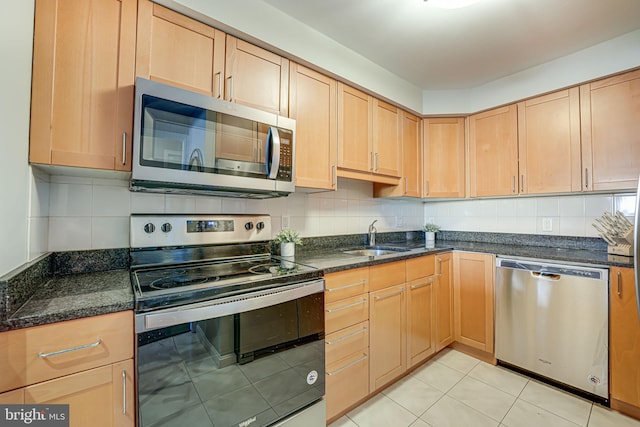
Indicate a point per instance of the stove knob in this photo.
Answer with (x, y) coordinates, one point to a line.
(149, 228)
(260, 225)
(166, 227)
(248, 226)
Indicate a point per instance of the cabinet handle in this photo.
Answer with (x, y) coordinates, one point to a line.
(406, 185)
(619, 284)
(426, 187)
(350, 285)
(219, 74)
(124, 392)
(344, 307)
(440, 264)
(522, 183)
(586, 178)
(230, 80)
(124, 148)
(422, 285)
(67, 350)
(378, 297)
(352, 334)
(372, 161)
(348, 365)
(513, 184)
(335, 176)
(377, 162)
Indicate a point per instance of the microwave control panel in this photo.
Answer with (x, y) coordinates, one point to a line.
(286, 160)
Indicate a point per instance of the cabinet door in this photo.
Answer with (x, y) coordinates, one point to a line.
(387, 336)
(624, 338)
(443, 161)
(387, 142)
(473, 299)
(420, 340)
(82, 87)
(256, 77)
(610, 120)
(443, 301)
(347, 382)
(175, 49)
(355, 110)
(312, 103)
(549, 143)
(98, 397)
(493, 152)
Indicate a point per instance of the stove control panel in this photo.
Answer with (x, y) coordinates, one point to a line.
(147, 231)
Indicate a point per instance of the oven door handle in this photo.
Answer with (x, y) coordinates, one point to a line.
(226, 306)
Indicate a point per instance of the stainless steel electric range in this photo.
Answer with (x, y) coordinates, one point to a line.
(227, 334)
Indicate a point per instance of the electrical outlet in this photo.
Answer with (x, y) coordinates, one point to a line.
(547, 224)
(285, 221)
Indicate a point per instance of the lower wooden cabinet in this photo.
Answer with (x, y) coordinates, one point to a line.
(624, 351)
(13, 397)
(443, 293)
(98, 397)
(473, 295)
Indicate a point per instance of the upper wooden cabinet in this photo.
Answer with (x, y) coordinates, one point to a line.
(473, 294)
(610, 121)
(387, 139)
(312, 103)
(493, 152)
(624, 340)
(175, 49)
(443, 158)
(549, 143)
(256, 77)
(411, 181)
(355, 129)
(83, 83)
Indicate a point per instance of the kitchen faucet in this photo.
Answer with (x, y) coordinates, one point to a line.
(372, 233)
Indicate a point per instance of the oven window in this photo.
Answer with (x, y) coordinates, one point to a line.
(263, 364)
(179, 136)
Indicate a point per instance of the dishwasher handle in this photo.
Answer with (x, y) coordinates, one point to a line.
(546, 276)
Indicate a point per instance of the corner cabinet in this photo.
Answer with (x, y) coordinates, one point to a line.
(610, 120)
(312, 103)
(473, 299)
(493, 152)
(83, 83)
(178, 50)
(444, 157)
(86, 363)
(624, 351)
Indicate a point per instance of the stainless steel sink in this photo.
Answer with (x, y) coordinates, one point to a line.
(375, 251)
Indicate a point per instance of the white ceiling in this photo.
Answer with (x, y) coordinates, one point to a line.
(463, 48)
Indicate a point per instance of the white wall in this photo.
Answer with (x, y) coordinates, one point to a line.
(16, 38)
(90, 213)
(618, 54)
(570, 215)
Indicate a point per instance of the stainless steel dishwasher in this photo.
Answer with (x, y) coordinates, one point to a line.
(552, 322)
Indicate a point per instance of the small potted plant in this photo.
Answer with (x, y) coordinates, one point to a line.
(288, 240)
(430, 231)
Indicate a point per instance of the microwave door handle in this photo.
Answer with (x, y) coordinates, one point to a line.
(273, 148)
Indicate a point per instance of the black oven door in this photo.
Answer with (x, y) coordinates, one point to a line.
(252, 367)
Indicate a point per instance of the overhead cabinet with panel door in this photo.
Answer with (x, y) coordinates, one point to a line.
(444, 157)
(83, 83)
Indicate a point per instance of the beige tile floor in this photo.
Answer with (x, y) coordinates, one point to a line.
(456, 390)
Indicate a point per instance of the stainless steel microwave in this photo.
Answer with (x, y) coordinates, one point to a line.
(186, 142)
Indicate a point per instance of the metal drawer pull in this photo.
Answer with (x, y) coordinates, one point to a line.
(423, 284)
(124, 148)
(344, 307)
(219, 74)
(546, 276)
(377, 297)
(67, 350)
(352, 334)
(124, 391)
(348, 365)
(619, 283)
(350, 285)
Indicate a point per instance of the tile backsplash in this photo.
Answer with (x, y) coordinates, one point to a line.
(78, 213)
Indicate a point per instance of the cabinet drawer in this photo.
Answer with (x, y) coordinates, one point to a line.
(347, 382)
(346, 284)
(347, 312)
(385, 275)
(346, 341)
(420, 267)
(44, 352)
